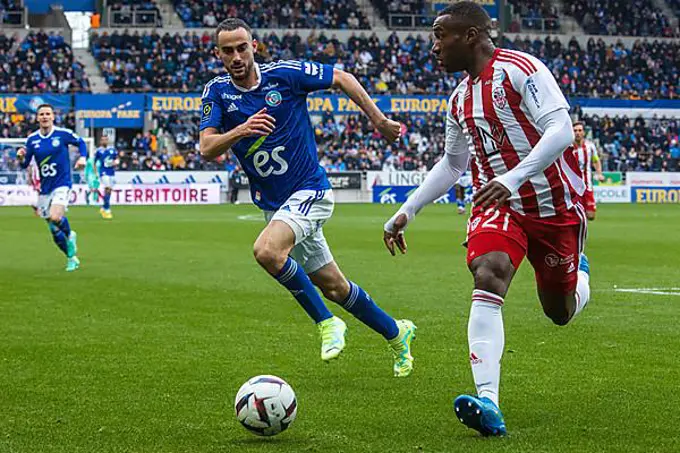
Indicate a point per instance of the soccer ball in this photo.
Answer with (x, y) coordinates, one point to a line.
(265, 405)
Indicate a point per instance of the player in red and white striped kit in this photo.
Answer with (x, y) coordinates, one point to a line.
(586, 155)
(510, 120)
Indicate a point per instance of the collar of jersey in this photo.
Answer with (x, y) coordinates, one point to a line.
(48, 135)
(254, 87)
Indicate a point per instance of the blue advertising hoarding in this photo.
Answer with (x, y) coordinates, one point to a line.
(655, 194)
(316, 103)
(28, 103)
(111, 110)
(399, 194)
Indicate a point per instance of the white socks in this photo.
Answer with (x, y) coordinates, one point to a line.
(486, 339)
(582, 292)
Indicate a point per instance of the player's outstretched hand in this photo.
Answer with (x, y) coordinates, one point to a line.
(391, 130)
(395, 236)
(259, 124)
(492, 194)
(80, 163)
(21, 154)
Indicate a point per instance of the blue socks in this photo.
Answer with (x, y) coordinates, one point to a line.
(360, 304)
(461, 203)
(295, 280)
(107, 201)
(63, 226)
(59, 237)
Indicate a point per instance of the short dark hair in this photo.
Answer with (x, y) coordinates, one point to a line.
(473, 13)
(41, 106)
(578, 123)
(231, 24)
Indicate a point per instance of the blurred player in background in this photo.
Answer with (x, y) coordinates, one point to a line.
(106, 161)
(33, 178)
(92, 180)
(460, 198)
(49, 148)
(260, 113)
(510, 115)
(586, 154)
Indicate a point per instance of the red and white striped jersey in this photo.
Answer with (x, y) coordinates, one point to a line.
(586, 155)
(498, 113)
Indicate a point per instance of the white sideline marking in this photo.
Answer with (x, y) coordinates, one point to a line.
(251, 217)
(655, 291)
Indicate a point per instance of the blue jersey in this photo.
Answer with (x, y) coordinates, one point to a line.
(279, 164)
(52, 156)
(104, 159)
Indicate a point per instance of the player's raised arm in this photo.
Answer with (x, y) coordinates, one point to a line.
(76, 140)
(352, 88)
(438, 182)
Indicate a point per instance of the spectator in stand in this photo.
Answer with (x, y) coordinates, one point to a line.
(338, 14)
(616, 17)
(41, 63)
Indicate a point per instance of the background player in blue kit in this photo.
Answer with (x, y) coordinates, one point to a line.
(106, 161)
(260, 113)
(49, 147)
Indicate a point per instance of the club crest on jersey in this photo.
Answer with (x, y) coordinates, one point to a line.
(55, 142)
(499, 98)
(273, 98)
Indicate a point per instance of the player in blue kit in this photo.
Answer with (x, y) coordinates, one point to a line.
(106, 161)
(260, 113)
(49, 147)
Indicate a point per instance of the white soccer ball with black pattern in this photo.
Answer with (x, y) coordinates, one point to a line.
(266, 405)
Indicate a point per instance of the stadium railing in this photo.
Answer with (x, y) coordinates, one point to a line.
(133, 18)
(14, 18)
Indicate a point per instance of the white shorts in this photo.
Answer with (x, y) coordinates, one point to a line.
(59, 196)
(108, 181)
(305, 212)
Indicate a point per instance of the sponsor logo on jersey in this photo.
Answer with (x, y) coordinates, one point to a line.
(552, 260)
(232, 97)
(273, 98)
(207, 111)
(232, 108)
(270, 86)
(533, 90)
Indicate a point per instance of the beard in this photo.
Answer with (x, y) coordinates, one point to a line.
(242, 72)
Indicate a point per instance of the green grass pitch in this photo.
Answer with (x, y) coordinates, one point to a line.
(143, 349)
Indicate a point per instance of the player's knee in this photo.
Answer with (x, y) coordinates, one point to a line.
(559, 310)
(268, 258)
(492, 275)
(55, 217)
(559, 317)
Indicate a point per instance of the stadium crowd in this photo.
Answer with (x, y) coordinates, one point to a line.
(534, 15)
(151, 61)
(617, 17)
(40, 63)
(647, 70)
(338, 14)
